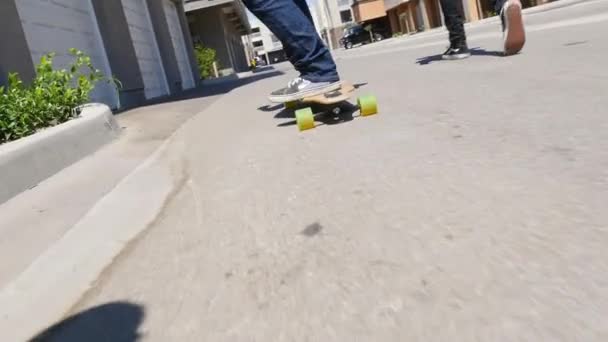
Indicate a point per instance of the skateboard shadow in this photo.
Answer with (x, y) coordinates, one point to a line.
(271, 108)
(477, 51)
(324, 114)
(115, 321)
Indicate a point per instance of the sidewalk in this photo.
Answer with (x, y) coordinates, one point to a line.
(38, 220)
(471, 208)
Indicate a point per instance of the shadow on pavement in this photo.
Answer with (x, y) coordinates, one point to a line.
(216, 87)
(113, 322)
(474, 52)
(271, 108)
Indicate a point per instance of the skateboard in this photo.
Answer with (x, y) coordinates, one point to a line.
(305, 118)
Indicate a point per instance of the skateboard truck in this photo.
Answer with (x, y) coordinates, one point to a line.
(305, 118)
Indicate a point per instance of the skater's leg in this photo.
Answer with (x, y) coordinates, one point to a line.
(454, 22)
(497, 5)
(291, 22)
(296, 31)
(304, 8)
(512, 25)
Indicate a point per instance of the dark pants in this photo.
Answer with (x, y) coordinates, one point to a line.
(291, 22)
(454, 18)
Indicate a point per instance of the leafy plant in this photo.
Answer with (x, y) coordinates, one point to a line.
(53, 97)
(205, 58)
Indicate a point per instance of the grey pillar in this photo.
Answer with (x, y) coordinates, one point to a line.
(188, 41)
(117, 40)
(465, 9)
(440, 13)
(227, 42)
(165, 45)
(15, 54)
(424, 14)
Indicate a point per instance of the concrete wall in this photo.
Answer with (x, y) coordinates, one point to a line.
(390, 4)
(235, 46)
(120, 51)
(206, 27)
(213, 30)
(14, 52)
(434, 13)
(32, 28)
(367, 10)
(188, 40)
(470, 10)
(167, 50)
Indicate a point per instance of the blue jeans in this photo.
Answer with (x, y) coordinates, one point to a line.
(454, 19)
(291, 22)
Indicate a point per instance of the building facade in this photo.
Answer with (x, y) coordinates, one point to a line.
(373, 13)
(331, 18)
(265, 44)
(145, 44)
(411, 16)
(220, 25)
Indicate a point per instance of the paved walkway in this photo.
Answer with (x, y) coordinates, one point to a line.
(472, 208)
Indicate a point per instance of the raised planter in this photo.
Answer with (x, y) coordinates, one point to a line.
(26, 162)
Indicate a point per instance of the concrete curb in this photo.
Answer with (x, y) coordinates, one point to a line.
(30, 160)
(57, 279)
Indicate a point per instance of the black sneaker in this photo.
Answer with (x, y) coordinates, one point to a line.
(299, 88)
(456, 51)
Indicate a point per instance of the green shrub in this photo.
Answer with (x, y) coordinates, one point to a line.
(53, 97)
(205, 57)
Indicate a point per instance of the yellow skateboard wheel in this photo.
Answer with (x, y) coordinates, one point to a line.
(305, 119)
(367, 105)
(291, 104)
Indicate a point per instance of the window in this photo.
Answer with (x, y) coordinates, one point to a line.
(258, 43)
(255, 32)
(346, 16)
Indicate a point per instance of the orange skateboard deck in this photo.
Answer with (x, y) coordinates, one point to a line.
(335, 96)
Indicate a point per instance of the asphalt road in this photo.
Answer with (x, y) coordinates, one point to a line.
(473, 207)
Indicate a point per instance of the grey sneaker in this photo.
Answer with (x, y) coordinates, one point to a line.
(299, 88)
(512, 27)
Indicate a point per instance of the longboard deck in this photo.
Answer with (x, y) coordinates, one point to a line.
(335, 96)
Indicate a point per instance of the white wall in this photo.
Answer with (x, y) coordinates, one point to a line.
(265, 34)
(58, 25)
(146, 48)
(179, 44)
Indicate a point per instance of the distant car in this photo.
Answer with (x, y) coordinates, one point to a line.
(358, 35)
